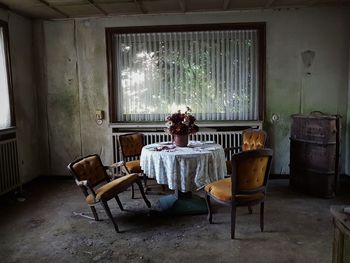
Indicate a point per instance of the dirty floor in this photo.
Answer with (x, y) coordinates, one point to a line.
(44, 225)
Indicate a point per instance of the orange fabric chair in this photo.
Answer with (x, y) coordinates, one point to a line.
(130, 148)
(246, 187)
(91, 176)
(252, 139)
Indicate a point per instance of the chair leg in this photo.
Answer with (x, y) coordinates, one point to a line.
(250, 209)
(93, 209)
(109, 214)
(132, 191)
(262, 216)
(148, 203)
(233, 220)
(144, 177)
(210, 211)
(119, 203)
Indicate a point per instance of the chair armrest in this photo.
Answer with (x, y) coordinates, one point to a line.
(85, 185)
(121, 172)
(82, 183)
(114, 165)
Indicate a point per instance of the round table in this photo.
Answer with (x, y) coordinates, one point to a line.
(184, 168)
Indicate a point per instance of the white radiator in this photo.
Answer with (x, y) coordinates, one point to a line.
(9, 173)
(225, 138)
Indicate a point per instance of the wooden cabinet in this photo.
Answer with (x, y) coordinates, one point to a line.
(314, 154)
(341, 240)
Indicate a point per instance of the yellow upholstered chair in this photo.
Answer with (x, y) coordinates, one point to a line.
(91, 176)
(130, 148)
(245, 187)
(252, 139)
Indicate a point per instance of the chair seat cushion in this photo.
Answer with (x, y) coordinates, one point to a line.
(133, 166)
(221, 190)
(110, 189)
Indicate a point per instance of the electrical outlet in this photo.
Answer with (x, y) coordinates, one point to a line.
(99, 115)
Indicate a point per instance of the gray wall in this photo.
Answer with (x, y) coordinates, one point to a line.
(73, 75)
(29, 140)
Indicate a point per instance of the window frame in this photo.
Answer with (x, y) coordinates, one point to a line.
(4, 26)
(112, 66)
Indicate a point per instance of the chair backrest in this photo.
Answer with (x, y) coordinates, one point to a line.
(253, 139)
(251, 170)
(89, 168)
(131, 144)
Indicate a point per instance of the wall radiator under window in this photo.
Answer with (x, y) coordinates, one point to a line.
(9, 172)
(225, 138)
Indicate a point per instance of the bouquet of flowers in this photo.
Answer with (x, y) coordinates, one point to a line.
(181, 123)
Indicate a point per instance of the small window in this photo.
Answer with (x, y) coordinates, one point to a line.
(217, 70)
(6, 112)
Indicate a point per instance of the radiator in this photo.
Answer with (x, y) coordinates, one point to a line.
(9, 173)
(225, 138)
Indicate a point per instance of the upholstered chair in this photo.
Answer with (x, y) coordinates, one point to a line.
(246, 186)
(252, 139)
(130, 146)
(91, 176)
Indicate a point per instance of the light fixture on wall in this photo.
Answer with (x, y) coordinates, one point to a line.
(99, 117)
(307, 57)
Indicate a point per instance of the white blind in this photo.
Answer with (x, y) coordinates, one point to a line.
(213, 72)
(5, 113)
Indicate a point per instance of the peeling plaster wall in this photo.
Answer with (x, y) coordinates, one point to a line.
(76, 71)
(347, 124)
(25, 96)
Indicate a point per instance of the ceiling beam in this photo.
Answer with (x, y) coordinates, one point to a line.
(53, 8)
(313, 2)
(269, 3)
(183, 6)
(140, 6)
(92, 2)
(226, 4)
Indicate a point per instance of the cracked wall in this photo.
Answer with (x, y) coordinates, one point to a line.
(76, 74)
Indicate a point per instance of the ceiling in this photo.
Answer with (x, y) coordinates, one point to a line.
(57, 9)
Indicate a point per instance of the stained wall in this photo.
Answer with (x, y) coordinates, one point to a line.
(31, 148)
(73, 75)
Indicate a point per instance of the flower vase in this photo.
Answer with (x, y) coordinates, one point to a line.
(180, 140)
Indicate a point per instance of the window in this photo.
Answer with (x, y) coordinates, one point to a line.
(6, 113)
(217, 70)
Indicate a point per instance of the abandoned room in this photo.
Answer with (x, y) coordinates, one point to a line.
(175, 130)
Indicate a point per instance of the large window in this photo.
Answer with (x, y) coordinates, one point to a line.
(217, 70)
(6, 113)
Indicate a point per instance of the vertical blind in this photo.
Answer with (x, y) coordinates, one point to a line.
(213, 72)
(5, 112)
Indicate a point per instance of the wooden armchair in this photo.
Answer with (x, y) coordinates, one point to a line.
(246, 186)
(91, 176)
(252, 139)
(131, 147)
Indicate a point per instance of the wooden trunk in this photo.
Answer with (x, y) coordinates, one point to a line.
(314, 154)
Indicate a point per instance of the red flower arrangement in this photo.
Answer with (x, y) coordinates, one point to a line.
(181, 123)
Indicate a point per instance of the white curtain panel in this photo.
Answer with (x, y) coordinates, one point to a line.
(5, 114)
(213, 72)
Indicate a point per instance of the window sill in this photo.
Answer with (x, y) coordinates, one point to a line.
(8, 130)
(155, 125)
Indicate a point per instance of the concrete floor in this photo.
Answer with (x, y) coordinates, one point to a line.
(44, 228)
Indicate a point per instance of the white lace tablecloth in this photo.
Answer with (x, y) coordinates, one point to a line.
(184, 168)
